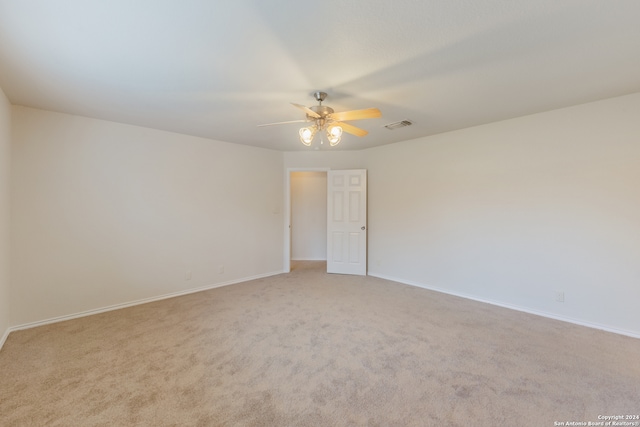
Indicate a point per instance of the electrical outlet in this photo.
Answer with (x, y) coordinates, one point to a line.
(187, 275)
(221, 269)
(559, 296)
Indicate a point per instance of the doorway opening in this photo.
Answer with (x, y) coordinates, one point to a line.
(306, 226)
(309, 216)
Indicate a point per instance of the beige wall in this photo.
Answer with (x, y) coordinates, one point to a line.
(509, 212)
(514, 211)
(323, 159)
(5, 168)
(106, 213)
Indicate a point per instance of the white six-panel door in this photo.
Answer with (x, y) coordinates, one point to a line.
(347, 222)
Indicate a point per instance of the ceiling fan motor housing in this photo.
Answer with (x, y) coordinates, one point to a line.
(321, 110)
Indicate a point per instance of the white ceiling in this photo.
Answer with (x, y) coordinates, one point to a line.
(217, 69)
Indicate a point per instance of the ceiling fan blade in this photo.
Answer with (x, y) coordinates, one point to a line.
(283, 123)
(307, 110)
(367, 113)
(346, 127)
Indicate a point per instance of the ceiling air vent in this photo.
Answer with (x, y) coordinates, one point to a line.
(400, 124)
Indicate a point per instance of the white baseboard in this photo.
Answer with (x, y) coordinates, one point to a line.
(246, 279)
(130, 304)
(633, 334)
(4, 337)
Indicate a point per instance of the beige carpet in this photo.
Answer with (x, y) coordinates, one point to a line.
(311, 349)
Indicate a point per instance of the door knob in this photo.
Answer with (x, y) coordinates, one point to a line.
(362, 228)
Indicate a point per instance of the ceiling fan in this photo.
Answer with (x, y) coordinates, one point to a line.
(324, 118)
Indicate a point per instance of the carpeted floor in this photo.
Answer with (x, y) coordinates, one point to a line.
(312, 349)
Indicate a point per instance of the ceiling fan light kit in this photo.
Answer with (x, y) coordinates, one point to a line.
(325, 119)
(307, 134)
(334, 134)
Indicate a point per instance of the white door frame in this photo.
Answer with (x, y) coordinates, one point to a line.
(287, 213)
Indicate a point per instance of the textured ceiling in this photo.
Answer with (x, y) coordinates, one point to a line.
(217, 69)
